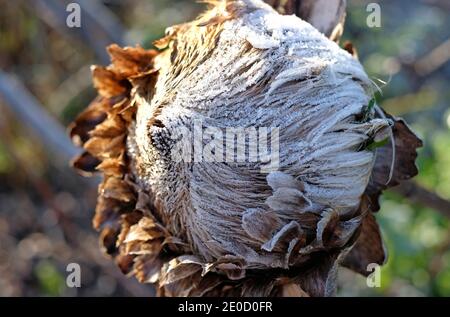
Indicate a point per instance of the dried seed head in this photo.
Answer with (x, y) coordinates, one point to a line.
(183, 209)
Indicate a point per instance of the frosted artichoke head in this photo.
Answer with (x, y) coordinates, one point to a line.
(245, 153)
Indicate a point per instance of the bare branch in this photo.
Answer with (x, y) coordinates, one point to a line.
(32, 115)
(433, 60)
(417, 194)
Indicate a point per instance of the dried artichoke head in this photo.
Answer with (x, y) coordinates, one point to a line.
(211, 221)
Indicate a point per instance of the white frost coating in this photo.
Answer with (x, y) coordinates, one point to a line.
(290, 77)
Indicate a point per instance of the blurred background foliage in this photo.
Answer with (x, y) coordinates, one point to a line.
(45, 209)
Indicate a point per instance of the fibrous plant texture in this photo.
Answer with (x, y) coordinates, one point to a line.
(211, 225)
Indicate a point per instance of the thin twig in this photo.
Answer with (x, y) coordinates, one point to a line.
(433, 60)
(417, 194)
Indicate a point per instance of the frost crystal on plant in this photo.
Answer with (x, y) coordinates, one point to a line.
(198, 227)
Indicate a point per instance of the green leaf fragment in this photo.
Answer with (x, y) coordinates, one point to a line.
(377, 144)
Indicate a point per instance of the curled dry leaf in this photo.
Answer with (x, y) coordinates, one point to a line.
(369, 247)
